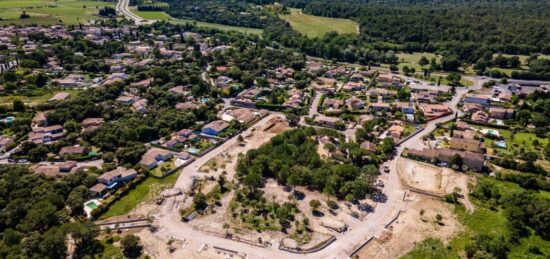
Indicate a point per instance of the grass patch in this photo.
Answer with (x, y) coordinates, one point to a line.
(317, 26)
(411, 60)
(139, 194)
(35, 99)
(220, 27)
(164, 167)
(517, 144)
(44, 12)
(152, 15)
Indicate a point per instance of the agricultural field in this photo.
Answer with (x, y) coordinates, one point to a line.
(221, 27)
(45, 12)
(317, 26)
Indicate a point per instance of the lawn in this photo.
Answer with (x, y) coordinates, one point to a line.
(482, 221)
(152, 15)
(520, 143)
(139, 194)
(164, 167)
(220, 27)
(45, 12)
(317, 26)
(411, 59)
(35, 100)
(435, 77)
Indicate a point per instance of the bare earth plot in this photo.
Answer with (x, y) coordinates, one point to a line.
(317, 26)
(414, 225)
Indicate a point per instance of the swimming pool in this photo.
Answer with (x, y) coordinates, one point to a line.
(92, 205)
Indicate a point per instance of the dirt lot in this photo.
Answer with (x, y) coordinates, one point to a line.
(415, 224)
(430, 178)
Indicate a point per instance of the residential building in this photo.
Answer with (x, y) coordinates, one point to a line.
(214, 128)
(154, 156)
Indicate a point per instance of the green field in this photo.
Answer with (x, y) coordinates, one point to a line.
(482, 221)
(517, 144)
(411, 59)
(152, 15)
(44, 12)
(139, 194)
(34, 100)
(220, 27)
(317, 26)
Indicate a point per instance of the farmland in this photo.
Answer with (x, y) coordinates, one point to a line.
(44, 12)
(317, 26)
(152, 15)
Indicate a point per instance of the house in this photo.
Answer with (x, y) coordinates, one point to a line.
(368, 146)
(483, 100)
(140, 105)
(480, 116)
(354, 103)
(127, 99)
(154, 156)
(462, 125)
(470, 160)
(406, 108)
(67, 166)
(331, 103)
(41, 135)
(323, 84)
(223, 81)
(59, 97)
(39, 120)
(70, 80)
(49, 170)
(186, 106)
(327, 121)
(353, 86)
(91, 122)
(314, 67)
(466, 144)
(178, 90)
(433, 111)
(214, 128)
(99, 190)
(116, 176)
(67, 151)
(505, 97)
(357, 77)
(380, 106)
(5, 142)
(143, 83)
(395, 131)
(473, 107)
(242, 115)
(500, 113)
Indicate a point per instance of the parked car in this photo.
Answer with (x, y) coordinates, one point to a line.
(386, 169)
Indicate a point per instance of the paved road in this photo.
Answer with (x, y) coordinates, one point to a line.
(122, 7)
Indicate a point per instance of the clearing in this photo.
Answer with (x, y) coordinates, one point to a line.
(43, 12)
(220, 27)
(415, 224)
(317, 26)
(144, 191)
(432, 179)
(152, 15)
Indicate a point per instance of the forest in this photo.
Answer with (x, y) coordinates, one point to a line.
(37, 212)
(462, 30)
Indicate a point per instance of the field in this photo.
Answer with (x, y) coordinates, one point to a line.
(34, 100)
(139, 194)
(152, 15)
(411, 59)
(45, 12)
(220, 26)
(518, 143)
(317, 26)
(482, 221)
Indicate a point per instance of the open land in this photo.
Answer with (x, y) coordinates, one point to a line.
(317, 26)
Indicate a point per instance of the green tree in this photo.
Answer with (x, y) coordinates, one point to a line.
(131, 246)
(199, 201)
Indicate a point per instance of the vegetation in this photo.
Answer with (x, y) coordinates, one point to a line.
(317, 26)
(292, 159)
(37, 225)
